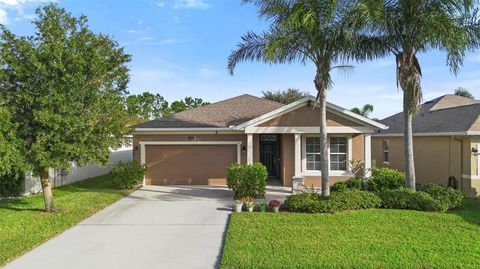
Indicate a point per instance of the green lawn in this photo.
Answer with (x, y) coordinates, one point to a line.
(24, 224)
(362, 239)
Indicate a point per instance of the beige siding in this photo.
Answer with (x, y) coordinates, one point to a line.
(287, 159)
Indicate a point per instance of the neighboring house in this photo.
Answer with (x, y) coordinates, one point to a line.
(446, 141)
(76, 173)
(195, 146)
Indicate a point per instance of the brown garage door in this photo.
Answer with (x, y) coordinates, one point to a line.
(188, 164)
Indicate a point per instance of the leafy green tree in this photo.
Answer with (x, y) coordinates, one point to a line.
(365, 111)
(146, 106)
(464, 93)
(64, 88)
(305, 31)
(185, 104)
(408, 27)
(285, 97)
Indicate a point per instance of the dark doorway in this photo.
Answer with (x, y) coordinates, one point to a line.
(269, 155)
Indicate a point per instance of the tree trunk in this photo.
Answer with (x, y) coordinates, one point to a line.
(408, 76)
(321, 86)
(408, 146)
(47, 190)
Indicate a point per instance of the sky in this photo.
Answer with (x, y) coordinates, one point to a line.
(180, 48)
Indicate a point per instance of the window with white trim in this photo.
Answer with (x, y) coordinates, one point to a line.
(312, 153)
(338, 153)
(386, 151)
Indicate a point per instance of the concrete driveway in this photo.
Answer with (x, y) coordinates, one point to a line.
(155, 227)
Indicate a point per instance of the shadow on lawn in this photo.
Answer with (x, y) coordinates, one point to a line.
(19, 204)
(470, 211)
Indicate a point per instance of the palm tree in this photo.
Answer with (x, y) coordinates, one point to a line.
(408, 27)
(365, 111)
(304, 31)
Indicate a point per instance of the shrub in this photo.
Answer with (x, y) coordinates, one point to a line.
(247, 180)
(453, 198)
(409, 199)
(11, 184)
(338, 201)
(386, 179)
(128, 175)
(354, 183)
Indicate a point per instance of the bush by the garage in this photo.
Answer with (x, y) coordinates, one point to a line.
(247, 180)
(12, 183)
(454, 198)
(128, 174)
(354, 183)
(386, 179)
(338, 201)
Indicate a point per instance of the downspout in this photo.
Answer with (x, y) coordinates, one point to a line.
(461, 161)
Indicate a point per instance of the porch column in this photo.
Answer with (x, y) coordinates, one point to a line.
(368, 155)
(298, 154)
(249, 148)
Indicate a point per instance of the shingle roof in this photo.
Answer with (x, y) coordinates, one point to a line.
(445, 114)
(221, 114)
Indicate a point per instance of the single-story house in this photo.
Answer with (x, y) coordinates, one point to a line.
(195, 146)
(446, 143)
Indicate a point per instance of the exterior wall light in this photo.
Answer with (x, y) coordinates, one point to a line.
(244, 150)
(475, 151)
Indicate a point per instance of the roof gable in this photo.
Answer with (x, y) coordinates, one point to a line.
(310, 100)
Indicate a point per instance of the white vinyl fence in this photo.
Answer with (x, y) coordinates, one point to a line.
(77, 173)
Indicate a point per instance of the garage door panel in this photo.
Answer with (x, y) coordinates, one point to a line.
(188, 164)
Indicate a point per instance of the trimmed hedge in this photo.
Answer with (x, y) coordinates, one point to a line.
(409, 199)
(454, 198)
(354, 183)
(128, 174)
(247, 180)
(338, 201)
(386, 179)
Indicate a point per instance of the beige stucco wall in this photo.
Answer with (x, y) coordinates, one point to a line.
(306, 116)
(436, 159)
(287, 158)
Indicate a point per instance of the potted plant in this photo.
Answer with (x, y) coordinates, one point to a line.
(237, 205)
(262, 206)
(274, 205)
(248, 200)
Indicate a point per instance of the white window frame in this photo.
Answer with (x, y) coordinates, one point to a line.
(478, 161)
(306, 172)
(386, 151)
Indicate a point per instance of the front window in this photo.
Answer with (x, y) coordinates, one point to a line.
(338, 153)
(312, 152)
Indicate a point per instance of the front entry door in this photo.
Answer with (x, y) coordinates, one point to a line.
(269, 154)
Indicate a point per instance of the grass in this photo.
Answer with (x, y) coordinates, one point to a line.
(24, 224)
(375, 238)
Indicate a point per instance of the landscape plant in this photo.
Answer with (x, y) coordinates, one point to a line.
(274, 205)
(247, 180)
(385, 178)
(128, 174)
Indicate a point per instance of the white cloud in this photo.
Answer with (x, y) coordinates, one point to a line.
(3, 16)
(161, 4)
(195, 4)
(207, 73)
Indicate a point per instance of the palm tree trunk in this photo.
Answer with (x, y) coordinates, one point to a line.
(320, 85)
(408, 148)
(47, 190)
